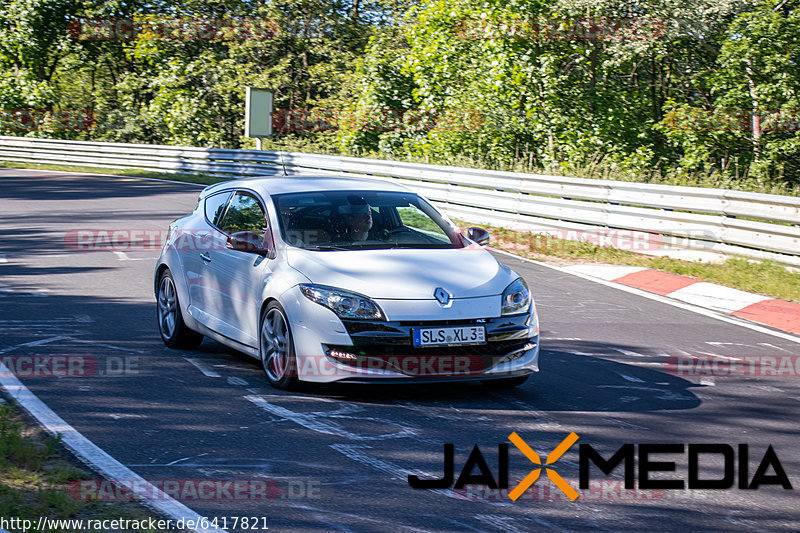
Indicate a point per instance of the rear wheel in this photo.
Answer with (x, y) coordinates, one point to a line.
(276, 348)
(173, 329)
(505, 383)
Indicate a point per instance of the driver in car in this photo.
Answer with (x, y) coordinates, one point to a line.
(359, 221)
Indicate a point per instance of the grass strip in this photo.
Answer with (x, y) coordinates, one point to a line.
(133, 173)
(35, 477)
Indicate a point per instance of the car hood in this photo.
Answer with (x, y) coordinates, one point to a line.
(405, 274)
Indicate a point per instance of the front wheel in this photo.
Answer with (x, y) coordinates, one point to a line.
(276, 348)
(173, 329)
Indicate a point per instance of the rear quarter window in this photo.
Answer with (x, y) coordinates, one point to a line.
(215, 207)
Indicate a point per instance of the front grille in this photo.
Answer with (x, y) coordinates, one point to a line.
(387, 345)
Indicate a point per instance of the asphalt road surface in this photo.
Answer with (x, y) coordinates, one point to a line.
(337, 458)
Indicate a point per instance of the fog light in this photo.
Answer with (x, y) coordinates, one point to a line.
(342, 356)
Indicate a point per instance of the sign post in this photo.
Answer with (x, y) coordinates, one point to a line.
(258, 114)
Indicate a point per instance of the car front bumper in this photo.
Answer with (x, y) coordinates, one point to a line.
(329, 349)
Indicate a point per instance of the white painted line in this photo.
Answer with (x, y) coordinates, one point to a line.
(94, 456)
(716, 343)
(716, 297)
(635, 354)
(32, 343)
(606, 272)
(505, 523)
(625, 424)
(23, 291)
(632, 379)
(773, 346)
(725, 357)
(122, 256)
(78, 318)
(629, 387)
(316, 421)
(203, 368)
(354, 452)
(360, 517)
(663, 299)
(104, 345)
(459, 526)
(176, 461)
(541, 417)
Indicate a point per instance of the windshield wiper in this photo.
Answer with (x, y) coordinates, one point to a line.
(327, 247)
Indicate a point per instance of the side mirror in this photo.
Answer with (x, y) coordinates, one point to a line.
(479, 235)
(250, 241)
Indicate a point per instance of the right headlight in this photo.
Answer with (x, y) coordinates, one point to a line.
(516, 298)
(346, 304)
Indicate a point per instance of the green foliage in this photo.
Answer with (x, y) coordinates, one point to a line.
(752, 115)
(537, 85)
(33, 36)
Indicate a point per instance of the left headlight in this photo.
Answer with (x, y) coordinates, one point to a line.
(516, 298)
(345, 304)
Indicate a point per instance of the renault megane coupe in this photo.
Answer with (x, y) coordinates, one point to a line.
(343, 279)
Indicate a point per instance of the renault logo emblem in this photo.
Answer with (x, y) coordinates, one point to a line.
(442, 296)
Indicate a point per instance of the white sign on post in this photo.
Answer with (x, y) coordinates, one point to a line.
(258, 114)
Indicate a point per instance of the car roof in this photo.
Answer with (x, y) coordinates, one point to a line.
(272, 185)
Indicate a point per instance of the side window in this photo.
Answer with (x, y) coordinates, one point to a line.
(215, 206)
(244, 214)
(414, 218)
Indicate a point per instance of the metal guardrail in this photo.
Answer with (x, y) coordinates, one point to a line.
(719, 220)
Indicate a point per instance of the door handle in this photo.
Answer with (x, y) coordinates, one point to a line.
(205, 257)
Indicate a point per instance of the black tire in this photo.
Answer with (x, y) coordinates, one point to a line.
(276, 348)
(173, 329)
(505, 383)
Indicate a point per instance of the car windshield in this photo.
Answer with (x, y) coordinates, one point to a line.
(363, 220)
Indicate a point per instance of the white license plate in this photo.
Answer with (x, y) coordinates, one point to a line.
(449, 336)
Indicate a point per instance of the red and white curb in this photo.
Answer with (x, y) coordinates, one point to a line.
(778, 314)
